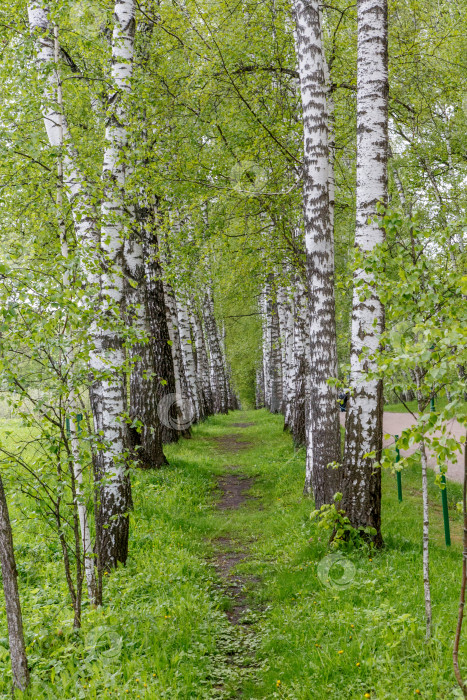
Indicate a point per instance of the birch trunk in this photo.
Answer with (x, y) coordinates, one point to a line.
(218, 373)
(323, 445)
(275, 357)
(286, 333)
(259, 388)
(164, 370)
(266, 340)
(86, 541)
(146, 434)
(301, 350)
(202, 361)
(107, 357)
(361, 482)
(115, 497)
(19, 662)
(182, 402)
(188, 357)
(426, 552)
(417, 375)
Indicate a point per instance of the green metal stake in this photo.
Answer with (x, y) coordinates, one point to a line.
(79, 418)
(444, 496)
(398, 472)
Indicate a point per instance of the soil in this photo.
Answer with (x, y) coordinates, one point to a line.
(231, 443)
(234, 488)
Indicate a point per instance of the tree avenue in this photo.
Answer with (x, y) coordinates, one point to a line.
(207, 208)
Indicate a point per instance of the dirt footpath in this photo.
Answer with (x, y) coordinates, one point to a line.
(395, 423)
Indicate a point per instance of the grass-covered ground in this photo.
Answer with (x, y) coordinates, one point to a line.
(412, 405)
(163, 631)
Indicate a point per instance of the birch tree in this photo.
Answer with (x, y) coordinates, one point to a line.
(219, 386)
(323, 443)
(107, 357)
(363, 441)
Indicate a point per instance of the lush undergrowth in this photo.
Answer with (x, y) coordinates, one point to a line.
(162, 632)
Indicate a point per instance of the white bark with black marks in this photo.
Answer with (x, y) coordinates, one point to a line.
(323, 444)
(202, 360)
(362, 483)
(284, 305)
(189, 363)
(219, 386)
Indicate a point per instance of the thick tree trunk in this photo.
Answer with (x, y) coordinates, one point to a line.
(19, 662)
(115, 497)
(164, 370)
(323, 445)
(361, 482)
(146, 431)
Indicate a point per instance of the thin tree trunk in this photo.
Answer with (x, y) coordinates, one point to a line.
(460, 617)
(188, 356)
(275, 357)
(286, 331)
(202, 361)
(361, 482)
(266, 343)
(183, 403)
(83, 515)
(323, 444)
(77, 469)
(259, 393)
(426, 553)
(218, 371)
(301, 346)
(19, 662)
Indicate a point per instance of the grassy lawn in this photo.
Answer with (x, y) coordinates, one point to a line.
(412, 405)
(163, 631)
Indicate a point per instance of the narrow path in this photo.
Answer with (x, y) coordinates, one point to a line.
(235, 660)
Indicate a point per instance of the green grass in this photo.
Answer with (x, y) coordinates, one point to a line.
(412, 405)
(163, 622)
